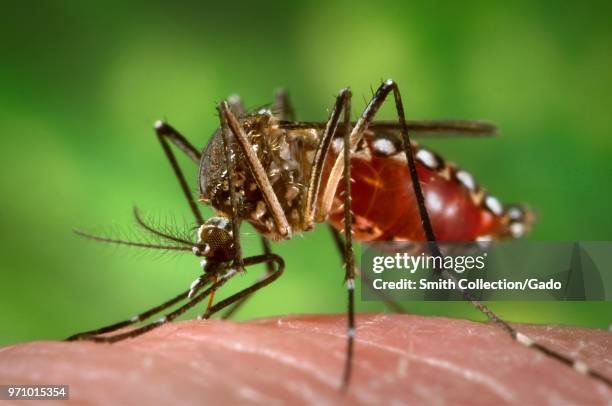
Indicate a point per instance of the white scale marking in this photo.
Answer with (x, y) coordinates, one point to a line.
(515, 213)
(494, 205)
(581, 367)
(523, 339)
(384, 146)
(194, 283)
(466, 179)
(427, 158)
(231, 272)
(517, 230)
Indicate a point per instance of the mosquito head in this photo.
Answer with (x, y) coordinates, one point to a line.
(215, 240)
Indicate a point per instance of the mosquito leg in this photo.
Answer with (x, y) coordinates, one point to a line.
(229, 160)
(166, 132)
(321, 153)
(94, 335)
(266, 280)
(341, 107)
(229, 164)
(349, 258)
(86, 335)
(269, 271)
(438, 128)
(355, 137)
(390, 303)
(172, 315)
(417, 128)
(261, 178)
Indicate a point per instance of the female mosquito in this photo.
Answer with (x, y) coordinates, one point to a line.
(367, 179)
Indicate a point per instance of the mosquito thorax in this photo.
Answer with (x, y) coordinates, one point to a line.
(285, 156)
(215, 240)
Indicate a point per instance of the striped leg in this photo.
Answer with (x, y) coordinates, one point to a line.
(390, 303)
(269, 271)
(266, 280)
(221, 273)
(349, 258)
(166, 133)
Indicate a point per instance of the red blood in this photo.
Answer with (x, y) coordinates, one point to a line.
(385, 208)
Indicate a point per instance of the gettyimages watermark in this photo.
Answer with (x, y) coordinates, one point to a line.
(513, 270)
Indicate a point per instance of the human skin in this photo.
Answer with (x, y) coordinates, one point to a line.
(399, 359)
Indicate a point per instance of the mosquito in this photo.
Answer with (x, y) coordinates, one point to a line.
(367, 179)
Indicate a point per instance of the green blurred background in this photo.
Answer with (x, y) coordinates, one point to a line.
(82, 84)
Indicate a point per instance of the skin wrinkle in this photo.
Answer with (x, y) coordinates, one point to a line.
(196, 374)
(308, 393)
(172, 364)
(195, 377)
(252, 395)
(117, 380)
(534, 359)
(195, 365)
(315, 371)
(326, 379)
(470, 375)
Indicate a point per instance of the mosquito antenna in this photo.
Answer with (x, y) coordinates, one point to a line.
(131, 243)
(140, 221)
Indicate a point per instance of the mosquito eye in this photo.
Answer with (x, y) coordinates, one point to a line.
(216, 235)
